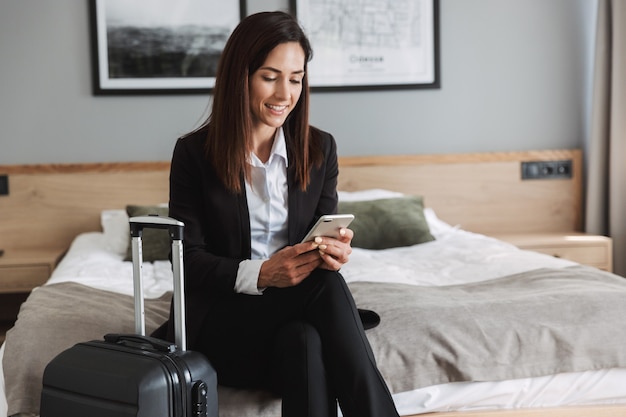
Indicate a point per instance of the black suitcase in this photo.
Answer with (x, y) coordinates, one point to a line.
(134, 375)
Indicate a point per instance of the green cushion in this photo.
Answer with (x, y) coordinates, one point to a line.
(387, 223)
(156, 245)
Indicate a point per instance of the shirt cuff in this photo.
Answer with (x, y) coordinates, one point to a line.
(248, 277)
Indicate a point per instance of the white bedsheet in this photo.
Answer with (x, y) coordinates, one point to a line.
(455, 257)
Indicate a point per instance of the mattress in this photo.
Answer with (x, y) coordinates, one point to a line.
(455, 257)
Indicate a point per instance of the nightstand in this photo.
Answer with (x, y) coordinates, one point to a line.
(21, 270)
(583, 248)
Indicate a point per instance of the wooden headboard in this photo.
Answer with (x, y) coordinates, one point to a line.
(48, 205)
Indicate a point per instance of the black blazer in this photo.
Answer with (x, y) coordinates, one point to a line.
(217, 225)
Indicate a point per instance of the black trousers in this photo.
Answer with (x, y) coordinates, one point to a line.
(306, 343)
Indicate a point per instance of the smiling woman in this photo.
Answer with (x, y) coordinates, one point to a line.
(248, 184)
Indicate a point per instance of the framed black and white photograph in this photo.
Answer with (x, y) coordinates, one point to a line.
(374, 44)
(159, 46)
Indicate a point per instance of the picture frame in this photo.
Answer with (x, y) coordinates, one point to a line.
(374, 45)
(159, 47)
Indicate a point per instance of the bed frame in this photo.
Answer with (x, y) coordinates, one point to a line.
(48, 205)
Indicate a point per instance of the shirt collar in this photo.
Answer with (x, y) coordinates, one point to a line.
(279, 149)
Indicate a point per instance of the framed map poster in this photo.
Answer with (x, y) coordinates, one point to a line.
(371, 44)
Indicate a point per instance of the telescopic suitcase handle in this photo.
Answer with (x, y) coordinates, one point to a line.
(143, 342)
(175, 229)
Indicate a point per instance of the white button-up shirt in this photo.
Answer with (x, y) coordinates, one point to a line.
(267, 194)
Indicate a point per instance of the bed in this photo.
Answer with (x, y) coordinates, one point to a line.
(524, 333)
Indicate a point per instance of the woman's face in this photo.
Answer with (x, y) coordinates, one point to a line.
(276, 86)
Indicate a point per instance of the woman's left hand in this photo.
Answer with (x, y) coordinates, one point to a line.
(335, 252)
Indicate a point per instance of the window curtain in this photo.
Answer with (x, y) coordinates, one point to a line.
(605, 211)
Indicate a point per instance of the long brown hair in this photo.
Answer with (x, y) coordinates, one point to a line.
(229, 127)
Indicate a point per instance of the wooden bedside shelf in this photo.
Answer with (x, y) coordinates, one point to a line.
(587, 249)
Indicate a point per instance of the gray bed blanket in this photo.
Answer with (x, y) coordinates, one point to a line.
(531, 324)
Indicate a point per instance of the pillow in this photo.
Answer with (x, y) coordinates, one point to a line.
(371, 194)
(156, 242)
(115, 230)
(387, 223)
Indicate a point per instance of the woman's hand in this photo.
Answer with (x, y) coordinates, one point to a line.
(335, 252)
(292, 264)
(289, 266)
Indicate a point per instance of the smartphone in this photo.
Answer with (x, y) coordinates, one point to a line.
(329, 225)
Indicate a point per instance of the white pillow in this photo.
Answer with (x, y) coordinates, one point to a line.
(366, 195)
(438, 228)
(116, 230)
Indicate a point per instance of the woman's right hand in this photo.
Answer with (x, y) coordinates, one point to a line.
(289, 266)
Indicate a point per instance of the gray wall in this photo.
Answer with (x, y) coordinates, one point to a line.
(515, 76)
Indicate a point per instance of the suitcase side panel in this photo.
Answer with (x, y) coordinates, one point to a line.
(90, 379)
(199, 369)
(59, 402)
